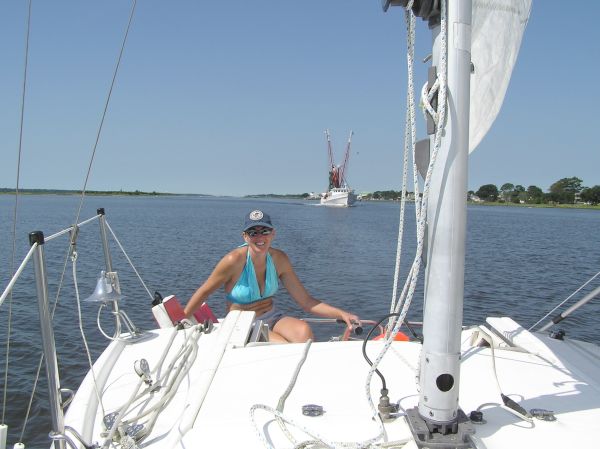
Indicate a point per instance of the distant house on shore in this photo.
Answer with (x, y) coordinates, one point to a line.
(475, 198)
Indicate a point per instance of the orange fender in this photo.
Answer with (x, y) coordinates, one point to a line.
(399, 337)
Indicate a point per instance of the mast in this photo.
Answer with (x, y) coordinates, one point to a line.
(446, 218)
(331, 167)
(439, 375)
(345, 163)
(329, 149)
(337, 173)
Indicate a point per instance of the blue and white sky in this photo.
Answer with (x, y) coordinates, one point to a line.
(233, 97)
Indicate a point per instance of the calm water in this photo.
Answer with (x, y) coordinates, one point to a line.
(520, 262)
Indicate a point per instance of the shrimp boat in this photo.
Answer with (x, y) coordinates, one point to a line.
(338, 194)
(219, 383)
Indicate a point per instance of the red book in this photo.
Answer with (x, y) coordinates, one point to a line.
(204, 313)
(176, 313)
(174, 309)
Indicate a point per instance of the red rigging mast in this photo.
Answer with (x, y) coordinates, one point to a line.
(337, 173)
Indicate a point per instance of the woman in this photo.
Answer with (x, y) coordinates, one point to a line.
(250, 275)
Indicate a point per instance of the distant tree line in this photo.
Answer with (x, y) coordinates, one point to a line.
(383, 195)
(78, 192)
(563, 191)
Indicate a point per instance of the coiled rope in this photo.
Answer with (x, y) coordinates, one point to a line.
(169, 382)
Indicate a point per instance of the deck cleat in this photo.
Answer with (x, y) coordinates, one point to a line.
(312, 410)
(542, 415)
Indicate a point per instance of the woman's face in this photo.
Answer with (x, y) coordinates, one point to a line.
(259, 238)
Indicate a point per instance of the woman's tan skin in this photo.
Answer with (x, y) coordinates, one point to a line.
(227, 272)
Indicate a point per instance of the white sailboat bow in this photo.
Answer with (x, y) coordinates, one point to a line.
(222, 385)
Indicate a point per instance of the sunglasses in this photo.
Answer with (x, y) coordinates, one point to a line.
(254, 232)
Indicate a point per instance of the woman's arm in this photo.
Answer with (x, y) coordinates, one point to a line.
(297, 291)
(222, 273)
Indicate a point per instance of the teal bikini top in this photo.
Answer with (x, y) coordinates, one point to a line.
(246, 290)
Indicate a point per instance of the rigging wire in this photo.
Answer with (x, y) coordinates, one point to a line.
(15, 210)
(72, 241)
(129, 260)
(564, 301)
(100, 126)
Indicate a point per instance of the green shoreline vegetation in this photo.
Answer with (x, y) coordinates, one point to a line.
(7, 191)
(564, 193)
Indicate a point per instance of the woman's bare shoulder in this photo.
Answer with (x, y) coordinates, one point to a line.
(280, 258)
(236, 255)
(275, 252)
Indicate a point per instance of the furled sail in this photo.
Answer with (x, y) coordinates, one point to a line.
(496, 33)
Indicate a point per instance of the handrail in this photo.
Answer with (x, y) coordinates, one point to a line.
(17, 274)
(358, 328)
(70, 228)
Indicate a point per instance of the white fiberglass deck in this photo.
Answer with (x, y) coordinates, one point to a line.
(333, 377)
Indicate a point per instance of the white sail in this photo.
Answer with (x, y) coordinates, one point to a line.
(496, 33)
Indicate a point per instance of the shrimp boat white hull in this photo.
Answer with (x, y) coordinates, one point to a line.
(342, 197)
(228, 377)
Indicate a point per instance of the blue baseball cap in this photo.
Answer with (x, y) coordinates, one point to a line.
(257, 218)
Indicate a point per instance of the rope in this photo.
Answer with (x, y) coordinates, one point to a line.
(180, 365)
(317, 440)
(286, 393)
(15, 210)
(60, 283)
(85, 343)
(409, 125)
(9, 289)
(420, 205)
(104, 334)
(488, 338)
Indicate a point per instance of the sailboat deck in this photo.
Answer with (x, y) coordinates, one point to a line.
(333, 376)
